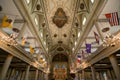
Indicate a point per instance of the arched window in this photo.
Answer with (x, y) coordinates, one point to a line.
(84, 20)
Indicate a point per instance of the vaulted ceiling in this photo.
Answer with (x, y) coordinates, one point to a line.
(59, 26)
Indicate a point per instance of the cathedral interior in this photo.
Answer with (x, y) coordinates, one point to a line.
(59, 39)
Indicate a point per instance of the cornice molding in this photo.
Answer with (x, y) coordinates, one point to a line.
(23, 10)
(93, 16)
(18, 52)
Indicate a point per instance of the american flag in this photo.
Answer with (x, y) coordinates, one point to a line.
(113, 18)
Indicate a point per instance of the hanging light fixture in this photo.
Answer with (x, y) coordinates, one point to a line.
(9, 40)
(111, 40)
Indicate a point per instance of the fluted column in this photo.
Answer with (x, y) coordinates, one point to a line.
(6, 66)
(83, 74)
(93, 72)
(115, 66)
(78, 76)
(36, 75)
(27, 72)
(22, 76)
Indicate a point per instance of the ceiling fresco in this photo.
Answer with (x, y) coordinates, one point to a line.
(60, 18)
(60, 15)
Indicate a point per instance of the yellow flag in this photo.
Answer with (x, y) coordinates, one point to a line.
(6, 22)
(23, 41)
(41, 60)
(31, 50)
(45, 64)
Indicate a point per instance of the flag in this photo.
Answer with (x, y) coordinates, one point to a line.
(96, 37)
(7, 22)
(113, 18)
(78, 58)
(88, 48)
(41, 60)
(23, 41)
(83, 54)
(31, 50)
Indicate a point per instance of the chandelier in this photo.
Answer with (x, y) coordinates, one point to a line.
(9, 40)
(111, 40)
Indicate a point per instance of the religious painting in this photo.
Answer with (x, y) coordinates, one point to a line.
(60, 18)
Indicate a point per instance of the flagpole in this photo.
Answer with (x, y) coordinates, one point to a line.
(110, 12)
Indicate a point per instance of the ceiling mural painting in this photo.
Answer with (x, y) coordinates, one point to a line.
(60, 15)
(60, 18)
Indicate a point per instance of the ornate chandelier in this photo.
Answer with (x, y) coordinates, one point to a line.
(111, 40)
(9, 40)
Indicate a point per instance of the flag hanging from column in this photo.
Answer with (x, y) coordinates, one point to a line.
(78, 58)
(7, 22)
(96, 37)
(83, 54)
(88, 48)
(113, 18)
(31, 49)
(23, 41)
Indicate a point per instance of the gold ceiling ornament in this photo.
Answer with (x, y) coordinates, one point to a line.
(60, 18)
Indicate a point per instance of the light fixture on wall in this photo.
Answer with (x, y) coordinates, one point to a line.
(111, 40)
(9, 40)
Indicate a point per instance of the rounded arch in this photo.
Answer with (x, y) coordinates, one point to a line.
(60, 58)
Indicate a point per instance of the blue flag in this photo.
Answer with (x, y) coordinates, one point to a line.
(88, 48)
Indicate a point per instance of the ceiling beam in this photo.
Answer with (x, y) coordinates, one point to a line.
(16, 21)
(104, 20)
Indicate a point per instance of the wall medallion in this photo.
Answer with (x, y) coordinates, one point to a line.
(60, 18)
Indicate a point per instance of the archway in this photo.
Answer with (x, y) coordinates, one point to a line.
(60, 67)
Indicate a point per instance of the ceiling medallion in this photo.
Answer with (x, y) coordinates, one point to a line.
(55, 35)
(65, 35)
(105, 29)
(82, 6)
(38, 6)
(60, 18)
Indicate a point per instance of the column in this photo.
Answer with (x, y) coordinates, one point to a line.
(101, 76)
(36, 75)
(42, 76)
(27, 72)
(93, 72)
(6, 66)
(78, 76)
(83, 74)
(115, 66)
(9, 73)
(12, 73)
(46, 76)
(109, 75)
(39, 75)
(20, 75)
